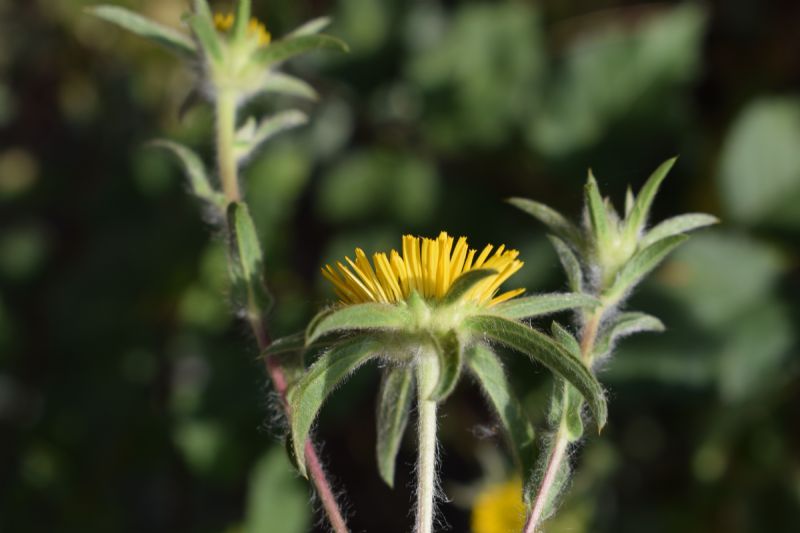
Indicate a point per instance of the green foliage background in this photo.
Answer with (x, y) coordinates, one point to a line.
(131, 401)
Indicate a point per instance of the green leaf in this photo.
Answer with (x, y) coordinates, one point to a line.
(559, 483)
(288, 353)
(242, 19)
(551, 218)
(274, 490)
(366, 316)
(629, 201)
(639, 266)
(545, 350)
(287, 48)
(565, 410)
(451, 358)
(203, 29)
(246, 265)
(570, 263)
(394, 406)
(278, 82)
(677, 225)
(195, 172)
(170, 39)
(464, 283)
(308, 395)
(598, 216)
(311, 27)
(486, 367)
(566, 339)
(622, 325)
(542, 304)
(249, 137)
(635, 222)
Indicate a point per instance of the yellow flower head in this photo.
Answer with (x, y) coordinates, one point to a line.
(224, 22)
(499, 509)
(427, 266)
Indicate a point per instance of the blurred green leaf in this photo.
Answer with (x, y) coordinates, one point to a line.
(170, 39)
(23, 251)
(276, 501)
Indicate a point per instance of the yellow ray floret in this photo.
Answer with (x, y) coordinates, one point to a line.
(224, 22)
(427, 266)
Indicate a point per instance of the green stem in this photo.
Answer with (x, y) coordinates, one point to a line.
(226, 137)
(427, 376)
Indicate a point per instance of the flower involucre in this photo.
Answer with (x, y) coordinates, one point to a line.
(255, 27)
(427, 266)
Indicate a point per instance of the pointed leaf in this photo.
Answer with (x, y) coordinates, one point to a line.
(639, 266)
(487, 368)
(278, 82)
(542, 304)
(570, 263)
(566, 339)
(195, 172)
(622, 325)
(206, 34)
(464, 283)
(311, 27)
(170, 39)
(545, 350)
(242, 19)
(309, 393)
(287, 48)
(629, 201)
(366, 316)
(598, 216)
(247, 262)
(250, 137)
(451, 358)
(394, 406)
(644, 200)
(551, 218)
(677, 225)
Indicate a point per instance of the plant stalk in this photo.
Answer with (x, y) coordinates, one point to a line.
(427, 376)
(226, 137)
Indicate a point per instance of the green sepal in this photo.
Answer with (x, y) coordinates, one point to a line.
(451, 357)
(635, 222)
(359, 317)
(622, 325)
(278, 82)
(464, 283)
(203, 29)
(555, 221)
(570, 263)
(308, 394)
(247, 262)
(546, 351)
(195, 172)
(165, 36)
(394, 406)
(491, 376)
(241, 20)
(287, 48)
(676, 226)
(598, 215)
(638, 266)
(311, 27)
(250, 137)
(542, 304)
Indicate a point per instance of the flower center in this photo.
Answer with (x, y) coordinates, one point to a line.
(224, 22)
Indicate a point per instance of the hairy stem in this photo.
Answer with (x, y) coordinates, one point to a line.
(226, 134)
(427, 375)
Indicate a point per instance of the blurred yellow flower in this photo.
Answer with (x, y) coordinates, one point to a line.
(224, 22)
(499, 508)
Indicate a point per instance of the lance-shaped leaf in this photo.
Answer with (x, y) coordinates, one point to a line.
(195, 172)
(488, 370)
(278, 82)
(287, 48)
(566, 339)
(170, 39)
(309, 393)
(203, 28)
(598, 215)
(565, 410)
(464, 283)
(250, 137)
(542, 304)
(638, 266)
(311, 27)
(394, 406)
(676, 226)
(546, 351)
(366, 316)
(247, 263)
(635, 222)
(555, 221)
(629, 201)
(570, 263)
(242, 19)
(451, 358)
(622, 325)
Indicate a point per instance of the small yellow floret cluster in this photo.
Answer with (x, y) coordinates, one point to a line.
(499, 509)
(225, 23)
(427, 266)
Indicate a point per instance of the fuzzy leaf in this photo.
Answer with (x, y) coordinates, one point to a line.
(562, 475)
(195, 172)
(278, 82)
(246, 262)
(598, 216)
(639, 266)
(451, 358)
(622, 325)
(677, 225)
(288, 352)
(545, 350)
(308, 395)
(203, 28)
(486, 367)
(287, 48)
(394, 406)
(170, 39)
(542, 304)
(635, 222)
(250, 137)
(570, 263)
(366, 316)
(311, 27)
(551, 218)
(241, 20)
(464, 283)
(566, 339)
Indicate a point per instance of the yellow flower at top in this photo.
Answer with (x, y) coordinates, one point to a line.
(499, 509)
(224, 22)
(427, 266)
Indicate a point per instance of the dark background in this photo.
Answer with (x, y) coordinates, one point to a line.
(131, 401)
